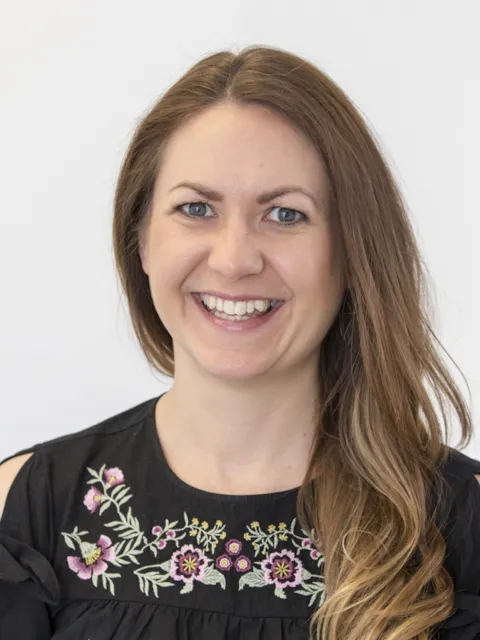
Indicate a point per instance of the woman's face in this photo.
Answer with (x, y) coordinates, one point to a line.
(232, 245)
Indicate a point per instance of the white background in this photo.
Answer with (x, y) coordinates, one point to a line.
(75, 78)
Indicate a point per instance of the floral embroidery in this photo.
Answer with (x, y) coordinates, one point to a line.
(195, 561)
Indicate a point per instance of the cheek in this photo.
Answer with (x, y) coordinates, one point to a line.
(310, 270)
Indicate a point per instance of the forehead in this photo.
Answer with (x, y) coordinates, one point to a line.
(245, 148)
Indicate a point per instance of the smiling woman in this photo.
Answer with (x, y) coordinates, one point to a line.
(295, 481)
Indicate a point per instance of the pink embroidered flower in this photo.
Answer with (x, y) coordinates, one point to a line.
(314, 554)
(171, 534)
(161, 544)
(156, 531)
(188, 564)
(233, 547)
(94, 558)
(306, 543)
(224, 562)
(92, 499)
(242, 564)
(114, 476)
(282, 569)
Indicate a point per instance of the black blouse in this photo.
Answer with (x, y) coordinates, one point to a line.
(100, 540)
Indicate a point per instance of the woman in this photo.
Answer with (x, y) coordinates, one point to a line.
(294, 482)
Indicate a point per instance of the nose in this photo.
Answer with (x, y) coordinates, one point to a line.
(234, 250)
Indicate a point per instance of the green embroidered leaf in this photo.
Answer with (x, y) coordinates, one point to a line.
(82, 533)
(124, 500)
(68, 541)
(129, 535)
(123, 492)
(302, 592)
(121, 561)
(104, 507)
(165, 565)
(94, 481)
(212, 576)
(280, 593)
(119, 547)
(116, 489)
(95, 580)
(187, 588)
(306, 575)
(116, 523)
(92, 472)
(185, 519)
(251, 579)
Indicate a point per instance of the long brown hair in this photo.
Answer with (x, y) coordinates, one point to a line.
(365, 497)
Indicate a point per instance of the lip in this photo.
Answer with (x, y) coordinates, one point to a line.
(239, 326)
(236, 298)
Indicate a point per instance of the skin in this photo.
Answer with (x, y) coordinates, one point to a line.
(247, 426)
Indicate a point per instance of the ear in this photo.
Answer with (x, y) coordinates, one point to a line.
(142, 249)
(143, 257)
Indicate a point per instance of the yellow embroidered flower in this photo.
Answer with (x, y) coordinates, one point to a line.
(193, 533)
(282, 536)
(205, 524)
(282, 526)
(247, 536)
(219, 523)
(194, 520)
(255, 545)
(254, 524)
(224, 535)
(271, 528)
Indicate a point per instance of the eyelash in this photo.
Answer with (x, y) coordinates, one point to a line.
(304, 218)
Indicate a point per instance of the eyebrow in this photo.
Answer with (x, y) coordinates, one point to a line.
(211, 194)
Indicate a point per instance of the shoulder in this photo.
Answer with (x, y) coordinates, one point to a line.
(60, 461)
(8, 473)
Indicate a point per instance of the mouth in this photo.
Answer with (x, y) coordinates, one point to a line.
(237, 310)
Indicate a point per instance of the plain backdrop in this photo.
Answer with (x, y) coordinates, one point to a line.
(76, 77)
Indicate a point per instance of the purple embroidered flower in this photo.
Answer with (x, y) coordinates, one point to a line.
(314, 554)
(94, 558)
(233, 547)
(306, 543)
(161, 544)
(92, 499)
(224, 562)
(282, 569)
(114, 476)
(242, 564)
(156, 531)
(171, 534)
(188, 564)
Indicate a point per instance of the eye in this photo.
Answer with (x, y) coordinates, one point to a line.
(195, 212)
(287, 216)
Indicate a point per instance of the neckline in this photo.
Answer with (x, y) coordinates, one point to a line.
(202, 493)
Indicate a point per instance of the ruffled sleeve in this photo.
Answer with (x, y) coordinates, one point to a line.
(28, 584)
(462, 557)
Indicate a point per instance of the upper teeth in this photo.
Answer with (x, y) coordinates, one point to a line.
(235, 308)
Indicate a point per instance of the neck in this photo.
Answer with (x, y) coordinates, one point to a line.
(253, 437)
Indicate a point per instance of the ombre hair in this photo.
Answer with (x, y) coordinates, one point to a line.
(366, 497)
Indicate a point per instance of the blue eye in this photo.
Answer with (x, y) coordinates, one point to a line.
(287, 220)
(193, 204)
